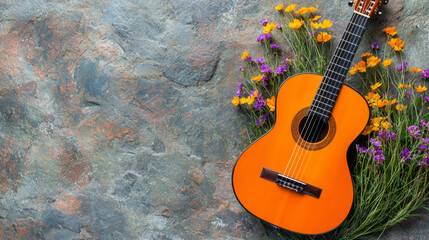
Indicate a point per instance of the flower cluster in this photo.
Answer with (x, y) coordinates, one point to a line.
(375, 151)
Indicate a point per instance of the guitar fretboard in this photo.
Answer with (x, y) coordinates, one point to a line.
(338, 68)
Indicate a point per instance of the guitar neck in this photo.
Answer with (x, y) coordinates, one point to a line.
(338, 68)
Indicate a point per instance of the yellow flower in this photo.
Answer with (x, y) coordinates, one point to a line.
(372, 61)
(315, 25)
(394, 101)
(257, 78)
(301, 11)
(385, 125)
(290, 8)
(245, 55)
(271, 102)
(358, 67)
(323, 37)
(326, 24)
(416, 69)
(250, 100)
(236, 100)
(243, 100)
(400, 107)
(296, 23)
(376, 85)
(390, 30)
(269, 27)
(366, 55)
(378, 120)
(382, 103)
(311, 9)
(420, 88)
(396, 43)
(279, 7)
(367, 130)
(387, 62)
(315, 18)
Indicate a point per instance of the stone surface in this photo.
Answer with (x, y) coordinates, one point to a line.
(115, 116)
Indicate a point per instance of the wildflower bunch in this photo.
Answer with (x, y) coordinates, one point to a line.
(392, 165)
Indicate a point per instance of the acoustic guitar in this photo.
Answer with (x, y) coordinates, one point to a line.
(296, 176)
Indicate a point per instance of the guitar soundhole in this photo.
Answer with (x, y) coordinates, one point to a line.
(313, 129)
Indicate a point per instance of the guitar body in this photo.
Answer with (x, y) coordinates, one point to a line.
(322, 164)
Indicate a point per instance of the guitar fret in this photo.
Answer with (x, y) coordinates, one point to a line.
(330, 85)
(353, 34)
(310, 110)
(318, 95)
(315, 106)
(339, 66)
(351, 43)
(345, 50)
(342, 75)
(326, 104)
(330, 93)
(357, 25)
(343, 58)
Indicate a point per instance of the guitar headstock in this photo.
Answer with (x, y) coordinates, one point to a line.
(368, 7)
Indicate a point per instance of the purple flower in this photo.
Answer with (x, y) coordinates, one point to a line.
(425, 161)
(265, 69)
(260, 60)
(361, 149)
(423, 123)
(262, 120)
(264, 22)
(265, 80)
(279, 26)
(422, 147)
(249, 59)
(402, 66)
(281, 69)
(374, 46)
(239, 91)
(259, 103)
(263, 37)
(241, 68)
(387, 135)
(425, 74)
(275, 47)
(414, 131)
(427, 99)
(311, 33)
(405, 155)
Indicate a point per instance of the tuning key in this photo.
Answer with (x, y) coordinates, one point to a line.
(385, 2)
(351, 3)
(379, 13)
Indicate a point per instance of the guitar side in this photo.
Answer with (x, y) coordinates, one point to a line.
(325, 168)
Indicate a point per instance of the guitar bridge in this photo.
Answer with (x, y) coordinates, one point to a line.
(290, 183)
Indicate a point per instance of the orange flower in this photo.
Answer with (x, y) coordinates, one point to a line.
(315, 18)
(416, 69)
(367, 130)
(257, 78)
(243, 100)
(290, 8)
(420, 88)
(271, 103)
(269, 27)
(372, 61)
(296, 23)
(394, 101)
(323, 37)
(245, 55)
(366, 55)
(311, 9)
(301, 11)
(404, 86)
(390, 30)
(376, 85)
(397, 44)
(358, 67)
(387, 62)
(385, 125)
(279, 7)
(326, 24)
(250, 100)
(235, 101)
(400, 107)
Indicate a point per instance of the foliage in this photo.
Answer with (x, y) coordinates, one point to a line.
(391, 172)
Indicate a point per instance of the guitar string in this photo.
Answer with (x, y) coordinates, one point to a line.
(357, 31)
(339, 71)
(299, 142)
(318, 98)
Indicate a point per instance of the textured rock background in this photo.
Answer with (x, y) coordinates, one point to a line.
(115, 115)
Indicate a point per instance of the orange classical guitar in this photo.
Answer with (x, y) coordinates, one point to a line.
(296, 176)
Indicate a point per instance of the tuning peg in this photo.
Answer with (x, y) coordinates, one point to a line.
(385, 2)
(379, 13)
(351, 3)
